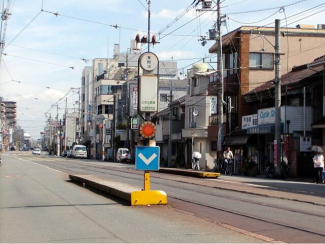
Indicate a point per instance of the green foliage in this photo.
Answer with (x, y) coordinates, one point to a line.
(249, 168)
(121, 127)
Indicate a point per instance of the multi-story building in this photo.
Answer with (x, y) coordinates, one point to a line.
(199, 105)
(248, 57)
(105, 96)
(70, 130)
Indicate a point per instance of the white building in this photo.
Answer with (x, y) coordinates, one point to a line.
(198, 107)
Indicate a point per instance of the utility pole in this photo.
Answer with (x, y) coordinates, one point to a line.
(127, 102)
(113, 127)
(277, 141)
(56, 131)
(149, 14)
(170, 124)
(220, 82)
(65, 123)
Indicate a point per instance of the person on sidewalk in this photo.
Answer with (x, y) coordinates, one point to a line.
(318, 160)
(196, 160)
(228, 155)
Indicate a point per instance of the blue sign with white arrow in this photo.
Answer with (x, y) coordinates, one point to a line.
(147, 158)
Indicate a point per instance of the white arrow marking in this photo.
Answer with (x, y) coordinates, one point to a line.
(149, 160)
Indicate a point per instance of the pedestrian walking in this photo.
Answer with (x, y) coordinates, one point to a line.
(318, 160)
(196, 160)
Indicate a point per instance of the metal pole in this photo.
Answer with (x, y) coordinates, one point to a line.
(277, 97)
(149, 2)
(103, 142)
(127, 103)
(113, 128)
(170, 124)
(56, 131)
(65, 124)
(304, 92)
(220, 83)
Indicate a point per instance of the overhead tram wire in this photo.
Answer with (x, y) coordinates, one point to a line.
(250, 23)
(267, 9)
(22, 30)
(99, 23)
(58, 54)
(39, 61)
(258, 27)
(142, 5)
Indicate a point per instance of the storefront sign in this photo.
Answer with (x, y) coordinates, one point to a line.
(266, 116)
(269, 129)
(249, 121)
(134, 123)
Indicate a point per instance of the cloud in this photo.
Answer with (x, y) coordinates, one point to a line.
(52, 95)
(176, 54)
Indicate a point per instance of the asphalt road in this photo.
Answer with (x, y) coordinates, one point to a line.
(246, 215)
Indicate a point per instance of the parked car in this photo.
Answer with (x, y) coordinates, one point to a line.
(79, 151)
(36, 151)
(123, 155)
(69, 154)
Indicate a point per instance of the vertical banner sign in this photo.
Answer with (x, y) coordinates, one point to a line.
(275, 153)
(148, 99)
(135, 97)
(213, 105)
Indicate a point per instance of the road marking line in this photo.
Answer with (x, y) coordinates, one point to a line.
(47, 167)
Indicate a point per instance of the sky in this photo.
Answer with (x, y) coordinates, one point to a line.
(41, 47)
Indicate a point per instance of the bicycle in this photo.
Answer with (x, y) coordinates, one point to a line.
(229, 167)
(218, 167)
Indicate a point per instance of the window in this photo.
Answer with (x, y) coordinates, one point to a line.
(83, 98)
(213, 146)
(196, 82)
(163, 97)
(261, 61)
(108, 109)
(100, 110)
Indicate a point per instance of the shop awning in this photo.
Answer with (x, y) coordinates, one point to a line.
(236, 140)
(320, 124)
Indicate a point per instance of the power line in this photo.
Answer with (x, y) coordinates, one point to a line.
(58, 54)
(143, 5)
(39, 61)
(23, 29)
(266, 9)
(249, 23)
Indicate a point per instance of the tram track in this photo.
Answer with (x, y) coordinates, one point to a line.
(67, 166)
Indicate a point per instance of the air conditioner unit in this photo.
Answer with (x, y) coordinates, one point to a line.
(193, 125)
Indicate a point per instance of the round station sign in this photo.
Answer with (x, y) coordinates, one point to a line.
(148, 61)
(148, 130)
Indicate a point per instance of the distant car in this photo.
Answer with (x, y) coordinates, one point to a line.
(79, 151)
(123, 155)
(69, 153)
(13, 148)
(36, 151)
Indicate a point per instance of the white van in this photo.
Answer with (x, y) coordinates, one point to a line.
(79, 151)
(123, 155)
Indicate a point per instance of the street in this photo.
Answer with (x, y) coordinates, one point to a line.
(38, 200)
